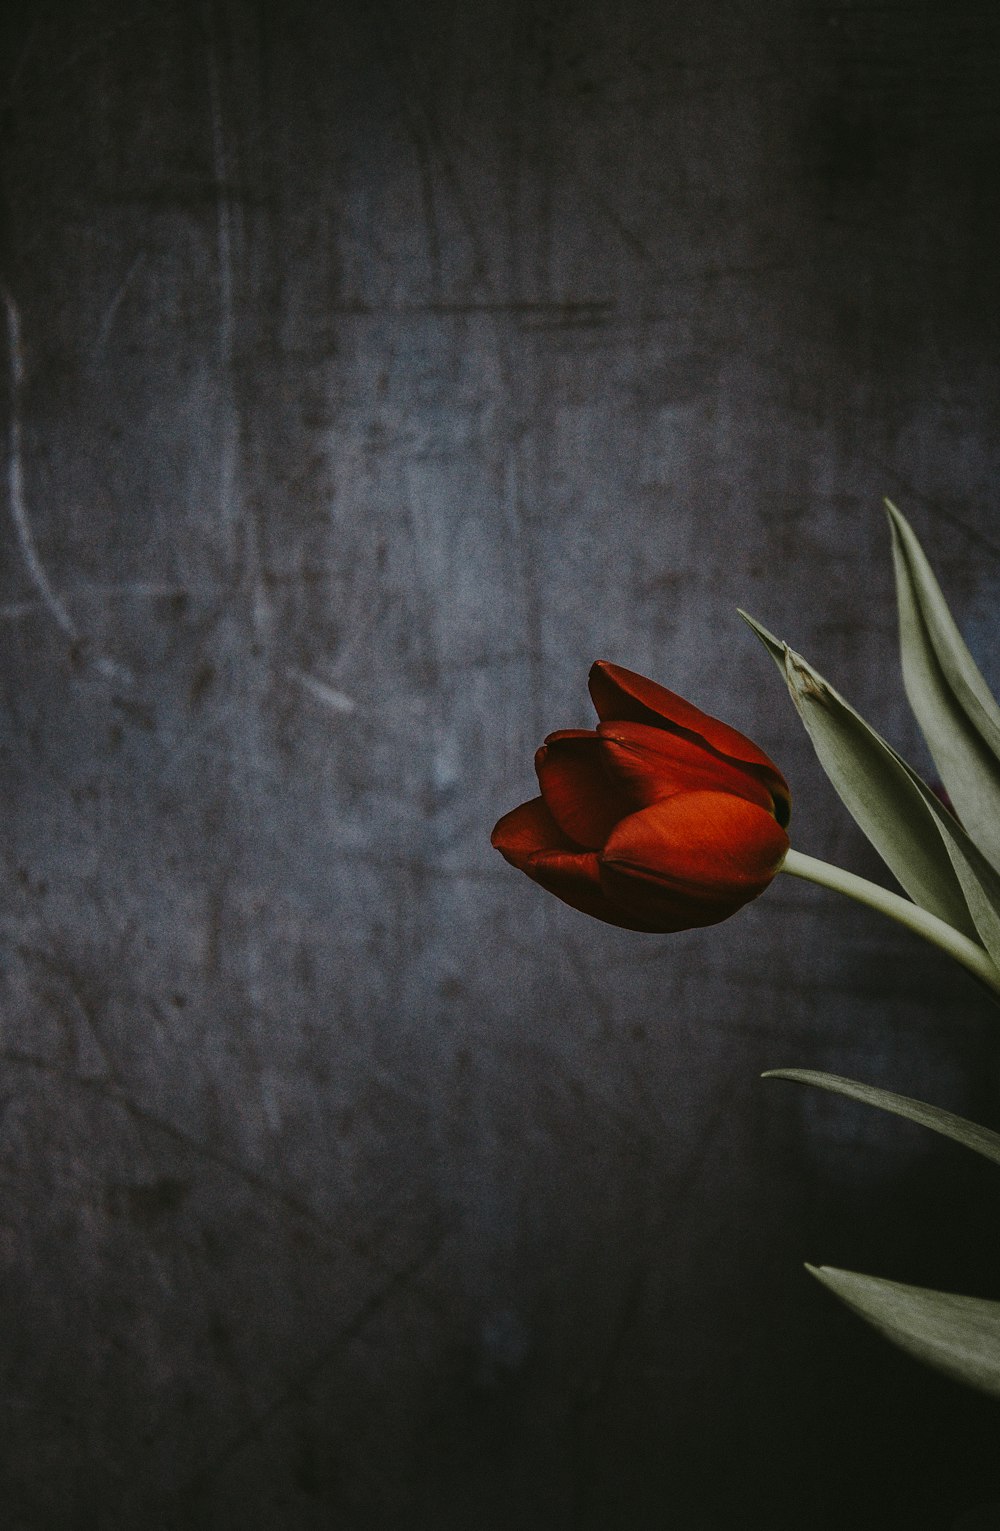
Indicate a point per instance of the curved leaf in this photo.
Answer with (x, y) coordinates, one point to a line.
(876, 787)
(923, 845)
(980, 882)
(980, 1139)
(951, 701)
(956, 1335)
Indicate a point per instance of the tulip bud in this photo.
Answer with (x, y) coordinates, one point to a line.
(660, 819)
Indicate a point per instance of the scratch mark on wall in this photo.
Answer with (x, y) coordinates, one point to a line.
(224, 264)
(18, 500)
(313, 1370)
(15, 477)
(337, 700)
(223, 223)
(526, 564)
(17, 611)
(599, 308)
(85, 1035)
(436, 165)
(326, 1232)
(111, 311)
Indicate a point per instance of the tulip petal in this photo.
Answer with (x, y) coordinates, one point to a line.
(653, 763)
(525, 830)
(620, 694)
(576, 879)
(692, 859)
(583, 800)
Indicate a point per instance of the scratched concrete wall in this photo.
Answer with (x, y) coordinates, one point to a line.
(370, 370)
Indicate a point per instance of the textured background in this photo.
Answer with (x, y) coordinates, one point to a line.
(370, 370)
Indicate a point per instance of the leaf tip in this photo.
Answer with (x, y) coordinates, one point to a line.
(898, 524)
(758, 627)
(803, 679)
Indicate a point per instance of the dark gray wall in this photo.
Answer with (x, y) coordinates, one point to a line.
(371, 370)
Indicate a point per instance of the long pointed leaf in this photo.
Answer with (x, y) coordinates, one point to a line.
(956, 1335)
(980, 1139)
(876, 787)
(980, 881)
(896, 809)
(951, 701)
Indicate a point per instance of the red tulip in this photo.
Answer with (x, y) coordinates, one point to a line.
(661, 819)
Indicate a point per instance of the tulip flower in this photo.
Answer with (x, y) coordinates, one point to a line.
(660, 819)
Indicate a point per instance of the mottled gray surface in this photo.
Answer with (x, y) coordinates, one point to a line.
(371, 370)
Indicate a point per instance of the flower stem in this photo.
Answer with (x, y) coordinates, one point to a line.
(969, 953)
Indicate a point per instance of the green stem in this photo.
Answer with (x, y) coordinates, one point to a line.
(969, 953)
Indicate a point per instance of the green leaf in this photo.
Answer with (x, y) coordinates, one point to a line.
(956, 1335)
(877, 788)
(923, 845)
(950, 699)
(980, 882)
(980, 1139)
